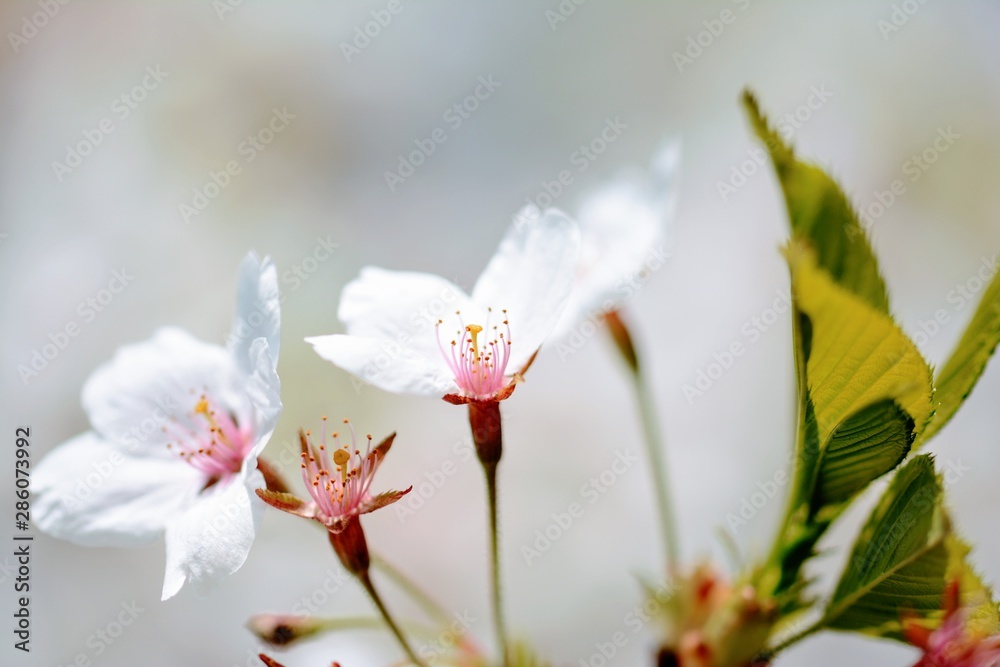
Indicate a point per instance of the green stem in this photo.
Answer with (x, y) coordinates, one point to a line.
(377, 623)
(658, 464)
(419, 595)
(373, 594)
(487, 432)
(768, 655)
(801, 475)
(655, 449)
(498, 618)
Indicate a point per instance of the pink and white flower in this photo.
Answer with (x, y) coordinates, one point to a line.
(418, 333)
(957, 642)
(338, 479)
(624, 237)
(340, 487)
(178, 425)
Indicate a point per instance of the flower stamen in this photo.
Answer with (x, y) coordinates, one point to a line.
(337, 495)
(478, 355)
(210, 439)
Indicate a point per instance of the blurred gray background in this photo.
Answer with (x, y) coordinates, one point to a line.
(227, 65)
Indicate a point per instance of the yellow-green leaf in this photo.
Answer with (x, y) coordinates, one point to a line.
(819, 211)
(865, 393)
(857, 356)
(956, 379)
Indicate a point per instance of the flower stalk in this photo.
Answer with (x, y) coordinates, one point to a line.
(387, 617)
(338, 478)
(652, 437)
(430, 606)
(352, 550)
(485, 421)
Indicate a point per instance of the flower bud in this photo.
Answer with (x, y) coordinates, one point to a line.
(283, 629)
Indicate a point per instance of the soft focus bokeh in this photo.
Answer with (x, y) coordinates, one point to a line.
(226, 67)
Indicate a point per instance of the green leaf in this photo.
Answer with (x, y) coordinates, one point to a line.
(900, 559)
(956, 379)
(820, 213)
(865, 446)
(857, 356)
(866, 391)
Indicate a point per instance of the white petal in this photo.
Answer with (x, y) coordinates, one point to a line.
(387, 365)
(258, 310)
(624, 228)
(531, 275)
(132, 398)
(264, 391)
(401, 306)
(93, 493)
(212, 539)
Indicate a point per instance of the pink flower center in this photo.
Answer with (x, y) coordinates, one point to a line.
(211, 441)
(338, 482)
(478, 355)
